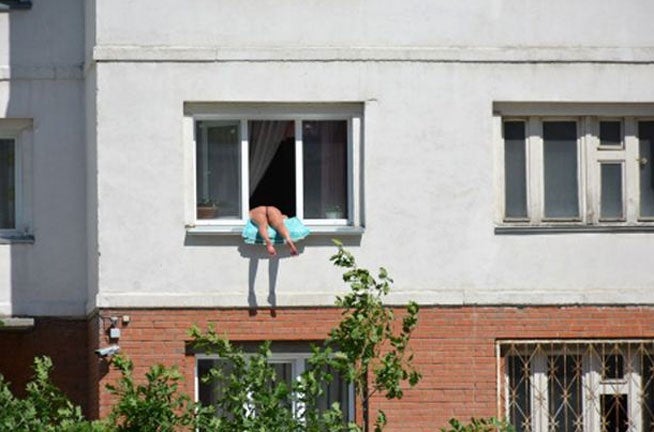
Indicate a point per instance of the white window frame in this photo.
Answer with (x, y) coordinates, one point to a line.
(243, 112)
(592, 383)
(20, 131)
(297, 361)
(590, 156)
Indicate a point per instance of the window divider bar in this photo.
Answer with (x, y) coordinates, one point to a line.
(631, 170)
(589, 177)
(535, 188)
(299, 171)
(245, 170)
(353, 149)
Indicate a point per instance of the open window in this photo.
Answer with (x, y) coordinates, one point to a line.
(302, 159)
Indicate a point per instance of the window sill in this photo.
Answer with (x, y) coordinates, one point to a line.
(16, 323)
(15, 237)
(228, 230)
(576, 228)
(8, 5)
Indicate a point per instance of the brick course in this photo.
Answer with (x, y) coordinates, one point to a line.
(63, 340)
(454, 347)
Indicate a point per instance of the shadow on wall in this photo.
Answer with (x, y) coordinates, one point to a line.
(257, 254)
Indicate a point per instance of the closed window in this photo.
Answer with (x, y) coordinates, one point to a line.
(301, 159)
(287, 367)
(15, 178)
(8, 177)
(589, 386)
(576, 170)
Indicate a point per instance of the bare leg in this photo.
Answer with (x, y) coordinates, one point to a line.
(259, 217)
(276, 220)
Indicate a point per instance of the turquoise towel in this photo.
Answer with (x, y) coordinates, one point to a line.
(295, 228)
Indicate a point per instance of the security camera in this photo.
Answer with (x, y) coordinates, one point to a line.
(107, 351)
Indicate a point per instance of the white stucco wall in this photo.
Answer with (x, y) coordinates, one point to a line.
(428, 74)
(376, 23)
(109, 171)
(429, 195)
(41, 56)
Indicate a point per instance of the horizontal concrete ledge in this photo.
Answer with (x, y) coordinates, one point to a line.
(563, 229)
(230, 298)
(9, 5)
(200, 230)
(130, 53)
(41, 72)
(13, 323)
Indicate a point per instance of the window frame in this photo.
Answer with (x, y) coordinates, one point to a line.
(593, 384)
(352, 113)
(590, 157)
(297, 360)
(19, 131)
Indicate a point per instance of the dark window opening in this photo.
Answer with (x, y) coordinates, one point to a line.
(277, 186)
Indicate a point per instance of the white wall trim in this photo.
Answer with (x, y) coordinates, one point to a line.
(52, 72)
(508, 298)
(528, 54)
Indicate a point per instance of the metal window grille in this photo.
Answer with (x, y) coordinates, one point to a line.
(578, 386)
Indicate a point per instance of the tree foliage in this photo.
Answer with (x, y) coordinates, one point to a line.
(373, 349)
(44, 407)
(369, 348)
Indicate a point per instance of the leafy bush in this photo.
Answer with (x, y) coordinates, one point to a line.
(156, 406)
(369, 347)
(44, 408)
(253, 398)
(491, 424)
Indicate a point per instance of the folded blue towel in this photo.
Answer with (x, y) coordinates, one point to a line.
(295, 228)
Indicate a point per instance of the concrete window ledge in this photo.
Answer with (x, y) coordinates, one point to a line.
(11, 238)
(15, 324)
(7, 5)
(237, 230)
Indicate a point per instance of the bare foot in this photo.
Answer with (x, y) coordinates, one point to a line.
(292, 247)
(271, 249)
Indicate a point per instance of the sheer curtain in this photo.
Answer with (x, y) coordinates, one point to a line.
(265, 137)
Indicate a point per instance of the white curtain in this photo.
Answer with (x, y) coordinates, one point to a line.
(265, 137)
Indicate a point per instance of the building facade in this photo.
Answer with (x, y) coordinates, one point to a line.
(495, 156)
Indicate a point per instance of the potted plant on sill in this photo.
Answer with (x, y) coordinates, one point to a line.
(334, 212)
(207, 209)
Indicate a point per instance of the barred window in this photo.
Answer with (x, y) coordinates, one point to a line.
(602, 386)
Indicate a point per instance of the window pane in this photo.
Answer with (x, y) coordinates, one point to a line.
(613, 366)
(325, 169)
(515, 176)
(218, 165)
(519, 406)
(614, 413)
(7, 184)
(272, 164)
(647, 373)
(611, 133)
(337, 390)
(565, 392)
(210, 393)
(646, 148)
(560, 169)
(611, 201)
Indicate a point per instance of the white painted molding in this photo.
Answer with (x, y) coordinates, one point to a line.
(131, 53)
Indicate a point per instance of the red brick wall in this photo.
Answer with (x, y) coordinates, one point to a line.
(64, 340)
(454, 347)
